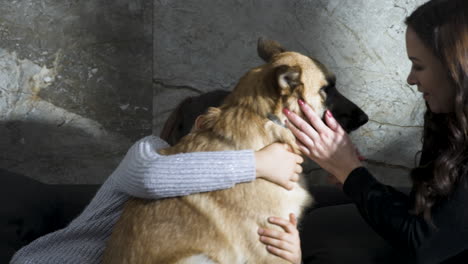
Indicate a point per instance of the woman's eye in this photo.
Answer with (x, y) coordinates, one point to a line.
(417, 68)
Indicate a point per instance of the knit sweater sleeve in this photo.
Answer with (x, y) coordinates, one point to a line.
(146, 174)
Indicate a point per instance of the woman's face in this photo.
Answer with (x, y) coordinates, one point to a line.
(429, 74)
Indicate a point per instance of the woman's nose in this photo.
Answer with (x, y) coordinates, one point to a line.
(411, 80)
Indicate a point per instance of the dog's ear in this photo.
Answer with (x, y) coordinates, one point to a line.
(288, 77)
(199, 123)
(266, 49)
(207, 120)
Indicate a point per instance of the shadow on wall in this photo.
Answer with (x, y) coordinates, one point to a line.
(59, 154)
(99, 50)
(118, 42)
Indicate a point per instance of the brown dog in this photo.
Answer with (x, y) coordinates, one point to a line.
(221, 226)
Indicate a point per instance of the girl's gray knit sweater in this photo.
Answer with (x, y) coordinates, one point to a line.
(142, 173)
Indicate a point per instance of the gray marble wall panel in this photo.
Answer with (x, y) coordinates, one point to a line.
(75, 86)
(202, 45)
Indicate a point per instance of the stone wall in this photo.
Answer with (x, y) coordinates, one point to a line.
(75, 86)
(203, 45)
(77, 79)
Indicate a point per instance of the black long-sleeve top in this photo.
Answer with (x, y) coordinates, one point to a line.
(386, 210)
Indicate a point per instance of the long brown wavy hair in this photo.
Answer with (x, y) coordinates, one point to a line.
(442, 25)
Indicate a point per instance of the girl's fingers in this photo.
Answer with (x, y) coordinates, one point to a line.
(288, 185)
(299, 159)
(286, 244)
(298, 169)
(295, 178)
(313, 117)
(272, 233)
(285, 224)
(281, 253)
(293, 219)
(280, 244)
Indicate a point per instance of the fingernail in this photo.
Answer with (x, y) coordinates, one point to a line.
(329, 114)
(260, 231)
(286, 111)
(300, 102)
(271, 219)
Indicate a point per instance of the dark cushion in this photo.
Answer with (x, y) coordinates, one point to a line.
(333, 231)
(30, 209)
(338, 234)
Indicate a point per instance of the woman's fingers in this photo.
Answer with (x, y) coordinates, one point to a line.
(313, 117)
(359, 155)
(331, 121)
(302, 136)
(303, 148)
(300, 125)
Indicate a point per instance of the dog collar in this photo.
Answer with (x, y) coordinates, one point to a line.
(275, 119)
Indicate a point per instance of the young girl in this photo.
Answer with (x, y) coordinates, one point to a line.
(431, 224)
(146, 174)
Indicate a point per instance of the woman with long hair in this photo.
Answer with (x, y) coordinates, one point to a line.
(431, 223)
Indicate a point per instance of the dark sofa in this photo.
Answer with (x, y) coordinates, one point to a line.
(30, 209)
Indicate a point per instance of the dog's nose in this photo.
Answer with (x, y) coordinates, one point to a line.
(363, 118)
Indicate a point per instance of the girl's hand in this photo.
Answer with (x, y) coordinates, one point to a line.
(276, 163)
(286, 245)
(326, 144)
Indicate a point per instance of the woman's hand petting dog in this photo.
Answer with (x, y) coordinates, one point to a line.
(325, 143)
(287, 244)
(276, 163)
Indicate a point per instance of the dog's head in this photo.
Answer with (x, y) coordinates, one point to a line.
(240, 121)
(295, 76)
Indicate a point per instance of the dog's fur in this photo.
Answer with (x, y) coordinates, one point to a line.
(221, 226)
